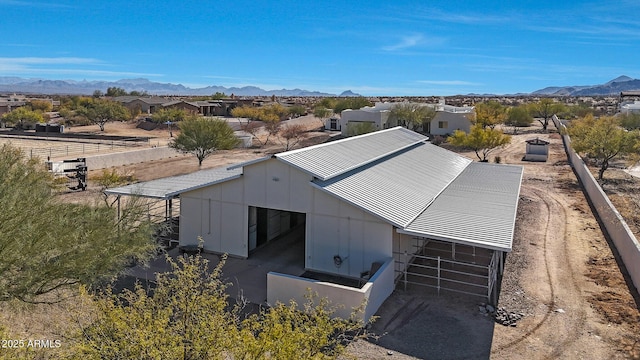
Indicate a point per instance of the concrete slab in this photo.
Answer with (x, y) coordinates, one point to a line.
(248, 276)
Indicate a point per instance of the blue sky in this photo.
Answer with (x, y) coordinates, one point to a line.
(370, 47)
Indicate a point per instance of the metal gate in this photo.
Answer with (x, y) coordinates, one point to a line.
(457, 271)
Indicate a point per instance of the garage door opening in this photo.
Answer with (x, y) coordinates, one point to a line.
(270, 225)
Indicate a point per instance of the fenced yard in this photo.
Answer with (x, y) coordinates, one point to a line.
(48, 148)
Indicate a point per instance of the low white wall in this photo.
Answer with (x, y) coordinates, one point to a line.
(129, 157)
(383, 285)
(535, 157)
(617, 229)
(282, 288)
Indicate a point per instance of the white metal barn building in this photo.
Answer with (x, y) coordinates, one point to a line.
(381, 208)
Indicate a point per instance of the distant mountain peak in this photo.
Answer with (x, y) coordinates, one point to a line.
(612, 87)
(349, 93)
(619, 79)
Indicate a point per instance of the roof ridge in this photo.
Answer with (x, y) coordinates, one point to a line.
(371, 160)
(347, 139)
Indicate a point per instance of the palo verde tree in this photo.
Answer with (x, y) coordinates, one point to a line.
(322, 113)
(355, 128)
(218, 96)
(202, 137)
(101, 111)
(48, 245)
(518, 117)
(265, 118)
(544, 109)
(162, 116)
(603, 140)
(188, 316)
(357, 102)
(481, 140)
(41, 105)
(21, 116)
(116, 91)
(630, 121)
(413, 116)
(490, 114)
(340, 104)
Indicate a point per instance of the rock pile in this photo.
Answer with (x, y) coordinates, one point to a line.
(501, 315)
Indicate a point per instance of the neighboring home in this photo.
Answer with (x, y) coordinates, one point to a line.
(11, 102)
(146, 105)
(190, 107)
(630, 107)
(149, 105)
(378, 115)
(377, 202)
(6, 105)
(448, 118)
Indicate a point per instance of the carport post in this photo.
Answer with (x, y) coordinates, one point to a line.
(438, 275)
(405, 270)
(453, 250)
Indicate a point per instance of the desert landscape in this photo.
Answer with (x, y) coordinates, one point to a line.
(563, 278)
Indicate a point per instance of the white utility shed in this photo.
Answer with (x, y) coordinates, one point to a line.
(361, 200)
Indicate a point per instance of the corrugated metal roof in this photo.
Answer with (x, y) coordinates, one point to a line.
(169, 187)
(331, 159)
(397, 188)
(478, 208)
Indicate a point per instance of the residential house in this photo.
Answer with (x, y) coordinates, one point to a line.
(448, 118)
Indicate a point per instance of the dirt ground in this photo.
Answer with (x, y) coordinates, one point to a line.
(562, 275)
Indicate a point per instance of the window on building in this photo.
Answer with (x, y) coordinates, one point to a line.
(443, 124)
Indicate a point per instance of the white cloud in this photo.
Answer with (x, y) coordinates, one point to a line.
(31, 66)
(405, 43)
(22, 61)
(33, 4)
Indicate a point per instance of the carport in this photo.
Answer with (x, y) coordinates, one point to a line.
(460, 240)
(162, 196)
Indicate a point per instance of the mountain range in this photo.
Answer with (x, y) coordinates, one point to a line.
(613, 87)
(71, 87)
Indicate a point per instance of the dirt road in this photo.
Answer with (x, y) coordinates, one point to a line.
(567, 281)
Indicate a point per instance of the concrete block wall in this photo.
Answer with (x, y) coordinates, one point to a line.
(624, 240)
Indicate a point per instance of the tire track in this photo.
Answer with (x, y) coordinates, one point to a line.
(553, 205)
(548, 273)
(579, 311)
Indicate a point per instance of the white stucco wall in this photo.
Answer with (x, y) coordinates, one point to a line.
(455, 121)
(378, 117)
(283, 287)
(219, 214)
